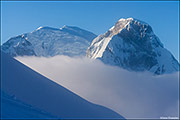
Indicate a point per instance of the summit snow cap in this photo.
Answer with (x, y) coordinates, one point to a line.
(129, 23)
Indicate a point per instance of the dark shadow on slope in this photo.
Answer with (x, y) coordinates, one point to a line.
(36, 90)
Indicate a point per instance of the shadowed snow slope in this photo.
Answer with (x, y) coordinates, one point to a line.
(32, 88)
(12, 108)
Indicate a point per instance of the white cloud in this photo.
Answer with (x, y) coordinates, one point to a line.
(133, 95)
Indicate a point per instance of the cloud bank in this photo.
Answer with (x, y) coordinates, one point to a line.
(131, 94)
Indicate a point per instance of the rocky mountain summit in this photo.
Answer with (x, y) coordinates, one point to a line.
(132, 45)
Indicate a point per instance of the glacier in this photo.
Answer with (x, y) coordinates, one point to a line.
(48, 41)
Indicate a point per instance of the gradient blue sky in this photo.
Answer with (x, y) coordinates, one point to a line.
(97, 17)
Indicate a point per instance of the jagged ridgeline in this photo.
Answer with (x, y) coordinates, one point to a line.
(132, 45)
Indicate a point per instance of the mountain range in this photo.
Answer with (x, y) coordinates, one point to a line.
(130, 44)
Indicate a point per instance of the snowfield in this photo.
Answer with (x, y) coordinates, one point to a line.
(12, 108)
(26, 88)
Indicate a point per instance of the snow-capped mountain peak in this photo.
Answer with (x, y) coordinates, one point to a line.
(132, 45)
(48, 41)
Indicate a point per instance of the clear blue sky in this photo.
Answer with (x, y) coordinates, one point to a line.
(97, 17)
